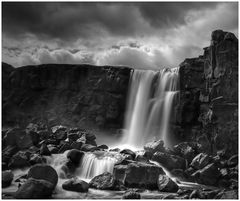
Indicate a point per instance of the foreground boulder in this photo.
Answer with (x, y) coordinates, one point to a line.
(7, 177)
(104, 181)
(138, 174)
(169, 161)
(209, 175)
(131, 194)
(43, 172)
(35, 189)
(166, 184)
(75, 184)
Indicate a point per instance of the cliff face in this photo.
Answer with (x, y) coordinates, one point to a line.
(74, 95)
(209, 95)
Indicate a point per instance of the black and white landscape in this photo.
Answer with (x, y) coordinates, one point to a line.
(120, 100)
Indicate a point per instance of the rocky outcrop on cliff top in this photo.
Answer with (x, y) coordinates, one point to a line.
(77, 95)
(209, 95)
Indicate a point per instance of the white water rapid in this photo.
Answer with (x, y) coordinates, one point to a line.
(150, 101)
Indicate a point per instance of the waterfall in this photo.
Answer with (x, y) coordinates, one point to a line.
(150, 100)
(96, 163)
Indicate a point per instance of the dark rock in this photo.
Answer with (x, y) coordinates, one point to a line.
(75, 184)
(68, 169)
(76, 145)
(8, 152)
(131, 194)
(44, 150)
(73, 137)
(88, 148)
(233, 194)
(139, 175)
(35, 189)
(43, 172)
(180, 174)
(19, 160)
(103, 147)
(209, 175)
(75, 156)
(64, 147)
(186, 150)
(53, 149)
(36, 159)
(60, 132)
(155, 146)
(233, 161)
(169, 161)
(104, 181)
(200, 161)
(7, 177)
(129, 152)
(166, 184)
(143, 156)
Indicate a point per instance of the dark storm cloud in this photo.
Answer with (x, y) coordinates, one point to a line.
(72, 20)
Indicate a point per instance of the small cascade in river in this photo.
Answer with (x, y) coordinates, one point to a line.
(150, 101)
(96, 163)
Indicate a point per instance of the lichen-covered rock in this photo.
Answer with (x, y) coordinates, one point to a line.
(76, 185)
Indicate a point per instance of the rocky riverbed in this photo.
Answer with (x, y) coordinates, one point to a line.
(185, 171)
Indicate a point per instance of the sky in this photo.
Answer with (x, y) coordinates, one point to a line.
(138, 34)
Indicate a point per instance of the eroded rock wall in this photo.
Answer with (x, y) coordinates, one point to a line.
(77, 95)
(209, 95)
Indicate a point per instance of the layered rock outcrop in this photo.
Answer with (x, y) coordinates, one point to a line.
(77, 95)
(209, 95)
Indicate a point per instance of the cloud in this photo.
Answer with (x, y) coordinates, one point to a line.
(142, 35)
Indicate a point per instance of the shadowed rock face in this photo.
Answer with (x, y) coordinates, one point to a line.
(78, 95)
(209, 94)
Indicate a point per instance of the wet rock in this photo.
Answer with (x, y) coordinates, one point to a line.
(186, 150)
(76, 185)
(209, 175)
(35, 189)
(128, 152)
(233, 194)
(35, 159)
(143, 156)
(131, 194)
(8, 152)
(53, 149)
(44, 150)
(43, 172)
(60, 132)
(200, 161)
(233, 161)
(142, 175)
(19, 160)
(180, 174)
(64, 147)
(104, 181)
(166, 184)
(7, 177)
(88, 148)
(68, 169)
(74, 137)
(169, 161)
(155, 146)
(103, 147)
(76, 145)
(75, 156)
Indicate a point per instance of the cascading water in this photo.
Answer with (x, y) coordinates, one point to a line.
(150, 101)
(94, 164)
